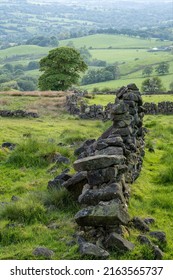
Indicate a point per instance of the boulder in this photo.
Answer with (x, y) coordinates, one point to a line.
(132, 87)
(44, 252)
(149, 221)
(114, 141)
(58, 181)
(111, 150)
(159, 235)
(89, 249)
(100, 176)
(139, 224)
(75, 184)
(101, 144)
(158, 254)
(8, 145)
(93, 197)
(144, 240)
(61, 159)
(125, 131)
(117, 242)
(84, 147)
(103, 214)
(98, 162)
(119, 108)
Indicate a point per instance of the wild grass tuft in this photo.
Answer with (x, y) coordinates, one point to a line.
(62, 200)
(165, 176)
(31, 153)
(13, 234)
(25, 211)
(71, 136)
(3, 154)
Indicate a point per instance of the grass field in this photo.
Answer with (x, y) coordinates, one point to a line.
(136, 57)
(25, 171)
(115, 84)
(100, 41)
(24, 50)
(104, 99)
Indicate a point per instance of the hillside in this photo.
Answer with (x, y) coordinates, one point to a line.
(106, 41)
(132, 55)
(23, 20)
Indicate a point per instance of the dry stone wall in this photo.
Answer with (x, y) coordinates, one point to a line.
(164, 108)
(105, 170)
(77, 106)
(18, 113)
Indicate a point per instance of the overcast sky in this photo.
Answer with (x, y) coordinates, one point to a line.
(104, 1)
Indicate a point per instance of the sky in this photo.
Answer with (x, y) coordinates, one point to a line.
(105, 1)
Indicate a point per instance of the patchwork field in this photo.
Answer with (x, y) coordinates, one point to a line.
(27, 222)
(130, 53)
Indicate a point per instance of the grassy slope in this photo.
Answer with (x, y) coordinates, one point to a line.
(135, 56)
(114, 41)
(24, 224)
(115, 84)
(130, 53)
(24, 50)
(105, 99)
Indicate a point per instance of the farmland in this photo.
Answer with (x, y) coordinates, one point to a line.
(131, 55)
(105, 41)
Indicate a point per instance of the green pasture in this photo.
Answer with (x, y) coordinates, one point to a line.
(132, 60)
(26, 170)
(134, 56)
(168, 77)
(115, 84)
(24, 50)
(99, 41)
(104, 99)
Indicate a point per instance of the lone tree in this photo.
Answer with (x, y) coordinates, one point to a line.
(61, 69)
(162, 68)
(153, 84)
(147, 71)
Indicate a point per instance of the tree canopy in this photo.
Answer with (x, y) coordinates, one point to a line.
(108, 73)
(162, 68)
(153, 84)
(61, 69)
(147, 71)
